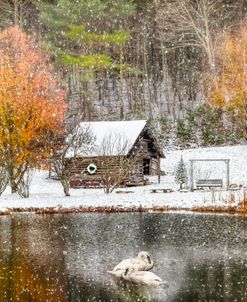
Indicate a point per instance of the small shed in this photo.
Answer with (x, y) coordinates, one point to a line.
(111, 139)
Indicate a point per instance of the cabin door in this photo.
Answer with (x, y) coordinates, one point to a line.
(146, 166)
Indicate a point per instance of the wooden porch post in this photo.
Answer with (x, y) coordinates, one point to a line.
(159, 170)
(227, 174)
(191, 176)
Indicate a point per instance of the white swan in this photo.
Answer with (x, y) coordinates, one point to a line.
(142, 277)
(142, 262)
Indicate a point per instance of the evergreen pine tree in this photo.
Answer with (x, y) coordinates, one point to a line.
(80, 33)
(183, 132)
(181, 176)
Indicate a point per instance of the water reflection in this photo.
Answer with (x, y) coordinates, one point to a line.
(65, 258)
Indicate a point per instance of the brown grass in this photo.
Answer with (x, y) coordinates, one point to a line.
(230, 209)
(89, 210)
(218, 209)
(242, 208)
(7, 212)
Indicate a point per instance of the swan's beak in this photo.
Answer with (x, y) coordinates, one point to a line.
(149, 259)
(126, 272)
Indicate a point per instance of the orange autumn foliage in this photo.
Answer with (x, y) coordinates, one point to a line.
(32, 106)
(230, 91)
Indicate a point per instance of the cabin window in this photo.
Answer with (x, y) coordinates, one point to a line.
(146, 166)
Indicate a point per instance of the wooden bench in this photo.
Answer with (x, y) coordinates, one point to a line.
(201, 183)
(160, 190)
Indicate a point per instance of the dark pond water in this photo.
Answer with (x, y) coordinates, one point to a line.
(65, 258)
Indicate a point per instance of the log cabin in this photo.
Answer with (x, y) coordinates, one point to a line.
(113, 140)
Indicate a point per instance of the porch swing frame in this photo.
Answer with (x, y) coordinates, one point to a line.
(192, 161)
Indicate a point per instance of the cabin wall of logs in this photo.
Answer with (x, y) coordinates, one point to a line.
(82, 177)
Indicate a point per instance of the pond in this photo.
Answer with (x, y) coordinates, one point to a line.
(65, 257)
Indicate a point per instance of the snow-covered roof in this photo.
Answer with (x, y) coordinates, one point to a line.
(112, 138)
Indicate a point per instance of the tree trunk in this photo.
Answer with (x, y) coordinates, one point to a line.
(107, 189)
(66, 191)
(16, 14)
(13, 185)
(245, 116)
(66, 187)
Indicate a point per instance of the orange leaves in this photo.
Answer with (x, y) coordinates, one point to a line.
(231, 89)
(32, 105)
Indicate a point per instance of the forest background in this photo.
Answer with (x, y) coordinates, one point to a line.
(181, 64)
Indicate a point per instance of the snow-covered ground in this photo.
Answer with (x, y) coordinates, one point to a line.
(237, 155)
(48, 193)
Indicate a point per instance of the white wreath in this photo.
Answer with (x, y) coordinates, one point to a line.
(92, 168)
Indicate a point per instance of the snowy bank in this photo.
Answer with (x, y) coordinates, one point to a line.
(48, 193)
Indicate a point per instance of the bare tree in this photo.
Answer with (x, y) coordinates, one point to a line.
(23, 188)
(186, 23)
(22, 179)
(17, 12)
(116, 164)
(3, 180)
(77, 141)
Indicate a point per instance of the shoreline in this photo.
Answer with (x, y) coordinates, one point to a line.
(47, 197)
(239, 210)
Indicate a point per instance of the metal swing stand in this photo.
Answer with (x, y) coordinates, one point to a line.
(209, 182)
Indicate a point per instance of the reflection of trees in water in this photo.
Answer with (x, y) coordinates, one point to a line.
(5, 233)
(97, 243)
(150, 226)
(94, 244)
(26, 275)
(210, 281)
(84, 291)
(65, 257)
(182, 230)
(120, 292)
(132, 293)
(22, 283)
